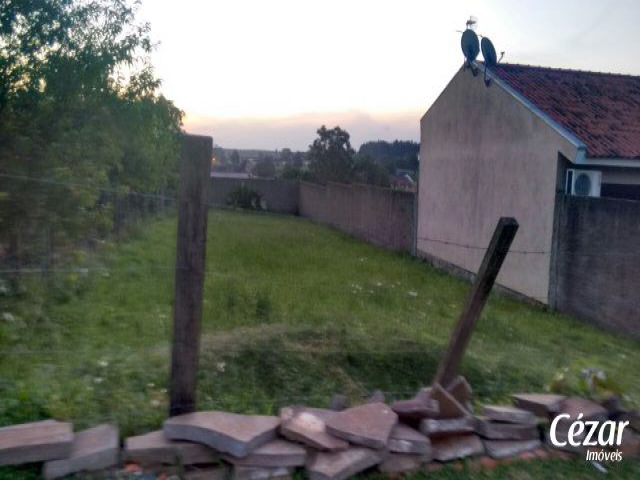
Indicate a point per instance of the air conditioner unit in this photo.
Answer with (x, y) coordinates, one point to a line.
(583, 183)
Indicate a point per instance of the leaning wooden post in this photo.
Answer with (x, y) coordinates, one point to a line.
(189, 278)
(493, 258)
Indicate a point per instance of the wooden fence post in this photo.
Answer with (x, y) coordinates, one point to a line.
(189, 277)
(493, 259)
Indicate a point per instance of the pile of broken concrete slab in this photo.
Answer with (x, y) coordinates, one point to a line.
(434, 427)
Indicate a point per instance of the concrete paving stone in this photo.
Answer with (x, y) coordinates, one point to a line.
(377, 396)
(307, 425)
(499, 449)
(231, 433)
(256, 473)
(415, 408)
(217, 472)
(613, 405)
(562, 435)
(369, 425)
(540, 404)
(155, 448)
(632, 416)
(343, 464)
(97, 448)
(449, 407)
(35, 442)
(404, 439)
(575, 406)
(630, 445)
(401, 462)
(450, 426)
(275, 454)
(505, 431)
(446, 449)
(508, 414)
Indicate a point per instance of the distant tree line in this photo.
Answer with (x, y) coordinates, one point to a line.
(81, 123)
(332, 159)
(394, 156)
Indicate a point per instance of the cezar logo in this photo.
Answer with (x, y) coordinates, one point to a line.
(590, 433)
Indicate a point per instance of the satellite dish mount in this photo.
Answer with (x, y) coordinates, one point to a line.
(471, 47)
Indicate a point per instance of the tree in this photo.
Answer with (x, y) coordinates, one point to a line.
(235, 161)
(396, 155)
(81, 123)
(290, 172)
(370, 172)
(265, 167)
(298, 160)
(286, 156)
(331, 156)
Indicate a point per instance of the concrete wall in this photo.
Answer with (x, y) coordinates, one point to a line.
(483, 155)
(381, 216)
(597, 268)
(281, 196)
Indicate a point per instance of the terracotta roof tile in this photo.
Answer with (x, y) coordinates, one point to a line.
(600, 109)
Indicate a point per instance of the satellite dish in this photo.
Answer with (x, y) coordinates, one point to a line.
(470, 45)
(488, 52)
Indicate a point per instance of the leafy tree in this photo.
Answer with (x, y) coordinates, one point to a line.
(265, 167)
(331, 156)
(368, 171)
(298, 160)
(396, 155)
(235, 161)
(286, 156)
(81, 123)
(290, 172)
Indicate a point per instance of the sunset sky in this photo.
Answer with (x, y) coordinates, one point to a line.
(267, 74)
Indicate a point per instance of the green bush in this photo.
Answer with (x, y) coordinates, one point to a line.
(245, 198)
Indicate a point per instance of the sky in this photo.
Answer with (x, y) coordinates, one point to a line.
(266, 74)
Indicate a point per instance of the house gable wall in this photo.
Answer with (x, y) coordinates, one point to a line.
(483, 155)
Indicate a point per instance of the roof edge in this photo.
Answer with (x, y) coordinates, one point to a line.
(569, 135)
(608, 162)
(570, 70)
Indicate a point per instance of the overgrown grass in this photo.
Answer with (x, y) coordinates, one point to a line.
(293, 312)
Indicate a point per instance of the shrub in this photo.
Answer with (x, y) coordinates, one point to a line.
(245, 198)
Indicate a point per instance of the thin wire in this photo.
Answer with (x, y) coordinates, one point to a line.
(85, 186)
(477, 247)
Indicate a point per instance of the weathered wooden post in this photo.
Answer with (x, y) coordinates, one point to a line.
(494, 257)
(190, 264)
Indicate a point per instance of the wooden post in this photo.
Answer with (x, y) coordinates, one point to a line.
(189, 278)
(493, 258)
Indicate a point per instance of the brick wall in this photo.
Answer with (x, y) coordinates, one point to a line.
(381, 216)
(596, 273)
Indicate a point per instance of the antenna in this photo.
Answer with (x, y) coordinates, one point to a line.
(472, 22)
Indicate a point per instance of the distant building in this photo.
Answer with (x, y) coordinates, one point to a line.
(402, 181)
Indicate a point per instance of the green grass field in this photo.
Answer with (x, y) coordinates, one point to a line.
(293, 312)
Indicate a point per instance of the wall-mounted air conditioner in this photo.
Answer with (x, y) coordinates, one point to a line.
(583, 183)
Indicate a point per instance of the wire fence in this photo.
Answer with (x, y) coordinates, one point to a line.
(106, 358)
